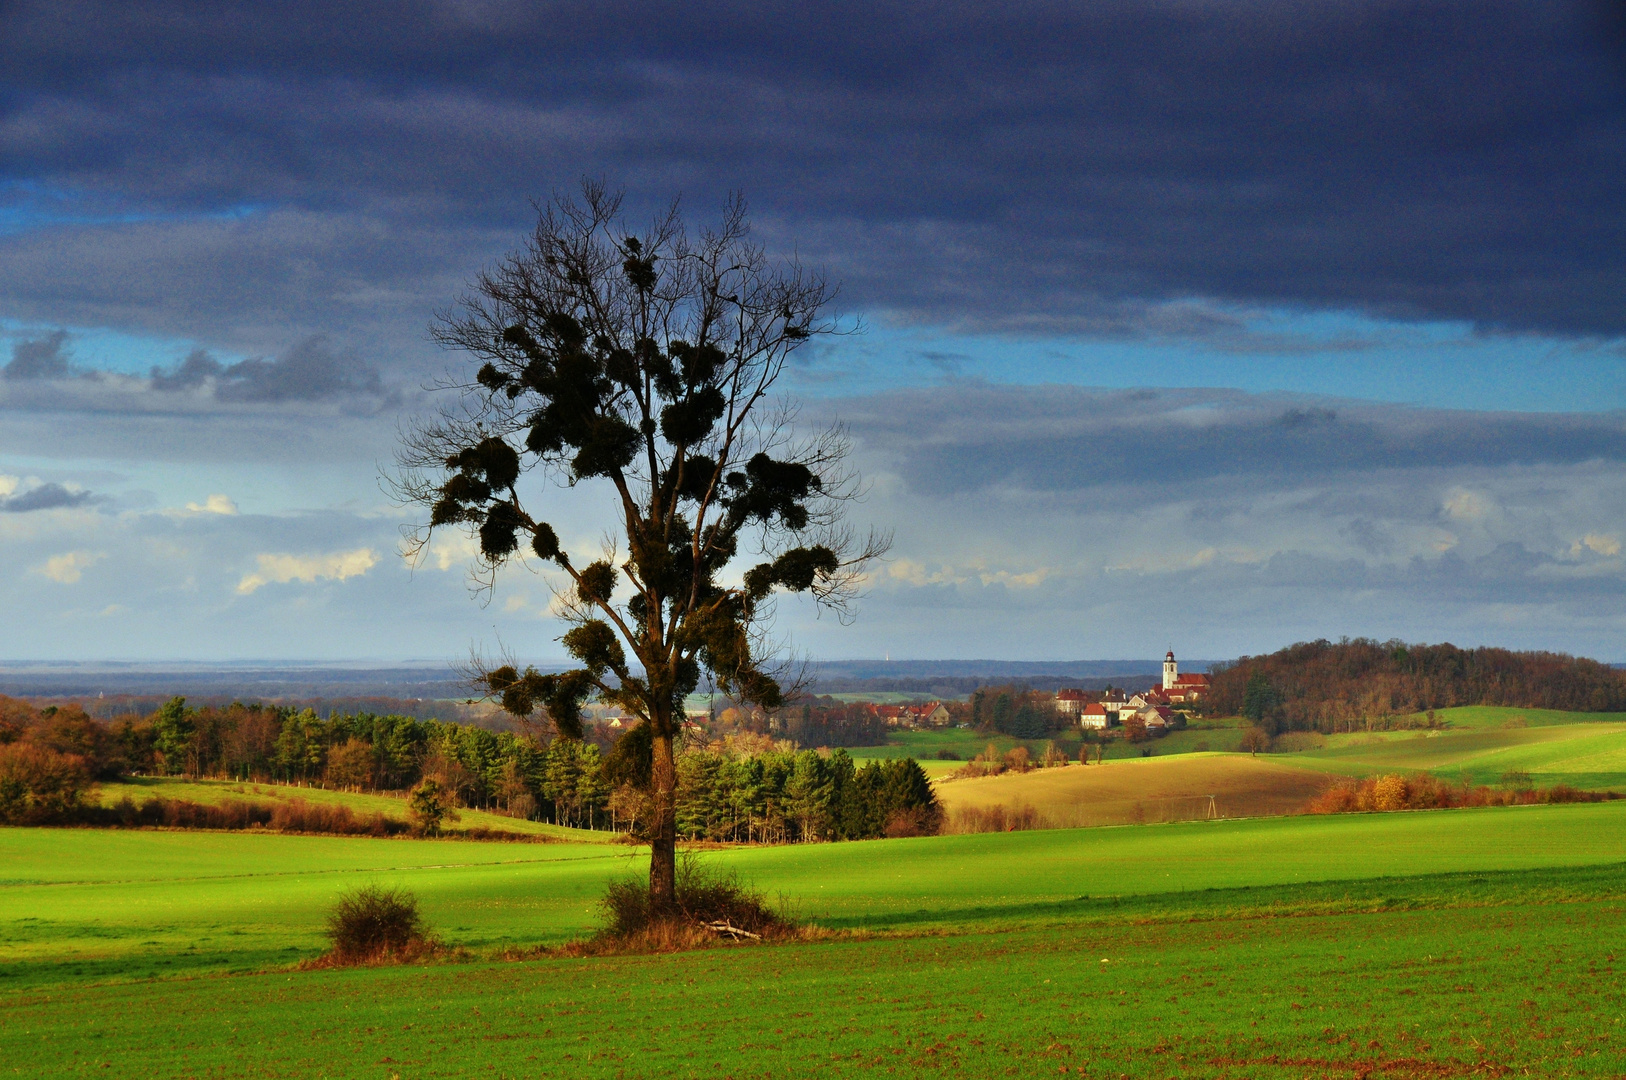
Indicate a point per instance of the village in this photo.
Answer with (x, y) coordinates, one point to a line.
(1155, 710)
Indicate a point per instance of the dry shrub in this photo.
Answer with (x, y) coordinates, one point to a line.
(297, 815)
(38, 785)
(1017, 759)
(1424, 792)
(913, 821)
(375, 924)
(986, 819)
(706, 897)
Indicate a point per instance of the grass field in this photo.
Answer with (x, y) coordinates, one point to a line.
(1432, 944)
(1483, 748)
(1459, 943)
(1479, 744)
(1201, 736)
(117, 904)
(1181, 788)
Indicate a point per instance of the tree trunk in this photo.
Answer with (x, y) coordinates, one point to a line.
(663, 827)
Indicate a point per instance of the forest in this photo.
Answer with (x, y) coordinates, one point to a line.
(768, 791)
(1338, 686)
(1021, 712)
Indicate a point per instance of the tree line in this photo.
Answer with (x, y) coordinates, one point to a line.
(784, 795)
(50, 758)
(1336, 686)
(1020, 712)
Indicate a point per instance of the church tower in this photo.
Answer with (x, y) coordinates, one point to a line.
(1170, 672)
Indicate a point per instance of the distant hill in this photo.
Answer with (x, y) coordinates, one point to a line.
(426, 690)
(107, 689)
(960, 677)
(1326, 685)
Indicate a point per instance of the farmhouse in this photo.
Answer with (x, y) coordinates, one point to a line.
(1070, 702)
(931, 714)
(1095, 717)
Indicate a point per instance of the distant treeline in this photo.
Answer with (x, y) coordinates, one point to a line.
(825, 721)
(1020, 712)
(49, 759)
(1335, 686)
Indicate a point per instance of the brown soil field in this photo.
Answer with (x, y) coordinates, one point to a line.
(1144, 790)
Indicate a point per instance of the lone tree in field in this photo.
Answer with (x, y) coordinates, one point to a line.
(642, 362)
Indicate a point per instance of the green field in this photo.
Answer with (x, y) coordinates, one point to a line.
(1465, 939)
(1479, 744)
(1202, 735)
(1483, 744)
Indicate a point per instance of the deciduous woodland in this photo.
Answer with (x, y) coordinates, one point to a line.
(746, 788)
(1336, 686)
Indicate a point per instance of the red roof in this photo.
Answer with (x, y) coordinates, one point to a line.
(1191, 680)
(1069, 695)
(1094, 709)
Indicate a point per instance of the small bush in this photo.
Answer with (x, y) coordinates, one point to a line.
(1518, 779)
(705, 897)
(375, 923)
(946, 754)
(430, 805)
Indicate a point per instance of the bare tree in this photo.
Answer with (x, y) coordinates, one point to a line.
(642, 362)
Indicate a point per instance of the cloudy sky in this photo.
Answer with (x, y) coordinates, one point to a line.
(1212, 325)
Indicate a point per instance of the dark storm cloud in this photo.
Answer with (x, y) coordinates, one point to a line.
(1032, 167)
(251, 283)
(965, 438)
(44, 497)
(42, 358)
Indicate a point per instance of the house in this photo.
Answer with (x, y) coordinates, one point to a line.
(1113, 701)
(1154, 696)
(1094, 716)
(931, 714)
(1070, 702)
(1156, 717)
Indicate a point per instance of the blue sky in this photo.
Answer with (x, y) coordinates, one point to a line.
(1218, 332)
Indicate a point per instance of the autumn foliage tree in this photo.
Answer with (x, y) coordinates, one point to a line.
(641, 361)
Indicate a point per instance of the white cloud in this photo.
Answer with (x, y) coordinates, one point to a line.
(214, 504)
(66, 569)
(8, 486)
(283, 568)
(1597, 543)
(449, 549)
(918, 574)
(1464, 505)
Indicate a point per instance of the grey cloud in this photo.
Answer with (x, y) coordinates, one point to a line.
(42, 358)
(971, 437)
(249, 284)
(45, 497)
(310, 371)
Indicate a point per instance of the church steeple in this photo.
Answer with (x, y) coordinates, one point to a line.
(1170, 671)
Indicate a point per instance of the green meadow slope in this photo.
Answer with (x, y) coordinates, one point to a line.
(132, 904)
(1484, 744)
